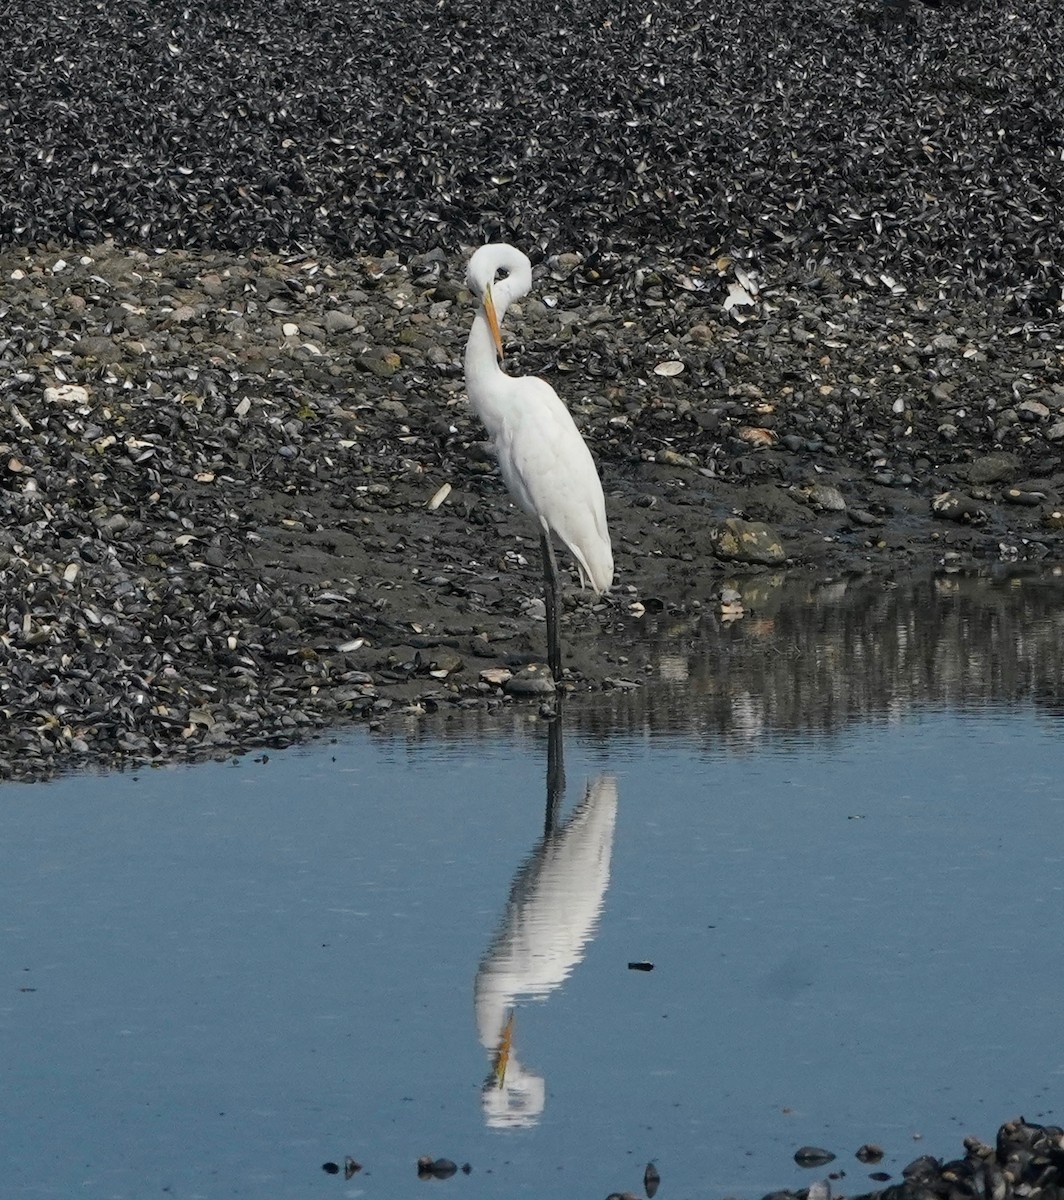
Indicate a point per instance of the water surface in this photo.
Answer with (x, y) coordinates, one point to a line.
(833, 828)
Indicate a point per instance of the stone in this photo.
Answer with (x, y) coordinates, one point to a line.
(747, 541)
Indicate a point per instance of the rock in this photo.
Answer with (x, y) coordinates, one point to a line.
(955, 506)
(1032, 410)
(443, 662)
(992, 468)
(651, 1180)
(534, 680)
(1020, 496)
(747, 541)
(436, 1168)
(824, 497)
(812, 1156)
(340, 322)
(380, 361)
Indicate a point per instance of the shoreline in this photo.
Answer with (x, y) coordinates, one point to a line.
(219, 469)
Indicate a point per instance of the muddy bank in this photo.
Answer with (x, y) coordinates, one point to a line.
(217, 472)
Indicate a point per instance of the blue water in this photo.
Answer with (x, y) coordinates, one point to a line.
(218, 978)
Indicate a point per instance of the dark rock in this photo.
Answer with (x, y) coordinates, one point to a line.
(812, 1156)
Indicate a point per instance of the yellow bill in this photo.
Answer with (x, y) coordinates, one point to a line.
(502, 1054)
(493, 321)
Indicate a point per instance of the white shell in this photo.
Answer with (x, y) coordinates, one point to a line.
(671, 367)
(737, 295)
(67, 393)
(439, 497)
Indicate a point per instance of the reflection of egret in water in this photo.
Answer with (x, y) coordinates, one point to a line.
(551, 914)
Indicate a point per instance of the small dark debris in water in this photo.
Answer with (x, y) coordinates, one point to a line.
(880, 1176)
(330, 1168)
(651, 1180)
(351, 1167)
(435, 1168)
(869, 1153)
(467, 1168)
(812, 1156)
(622, 1196)
(641, 966)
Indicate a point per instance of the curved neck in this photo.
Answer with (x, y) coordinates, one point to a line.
(482, 370)
(481, 363)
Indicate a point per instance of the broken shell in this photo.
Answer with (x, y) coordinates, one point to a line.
(438, 497)
(496, 676)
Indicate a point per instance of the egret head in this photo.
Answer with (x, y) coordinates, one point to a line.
(498, 274)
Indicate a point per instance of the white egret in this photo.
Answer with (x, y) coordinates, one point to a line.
(543, 460)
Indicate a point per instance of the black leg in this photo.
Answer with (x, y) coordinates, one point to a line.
(552, 599)
(555, 767)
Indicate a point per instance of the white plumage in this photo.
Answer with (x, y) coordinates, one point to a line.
(543, 460)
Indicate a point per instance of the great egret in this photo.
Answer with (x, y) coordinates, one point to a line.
(543, 460)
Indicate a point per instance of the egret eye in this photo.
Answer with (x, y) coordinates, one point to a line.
(503, 273)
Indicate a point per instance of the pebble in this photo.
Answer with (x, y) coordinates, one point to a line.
(436, 1168)
(812, 1156)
